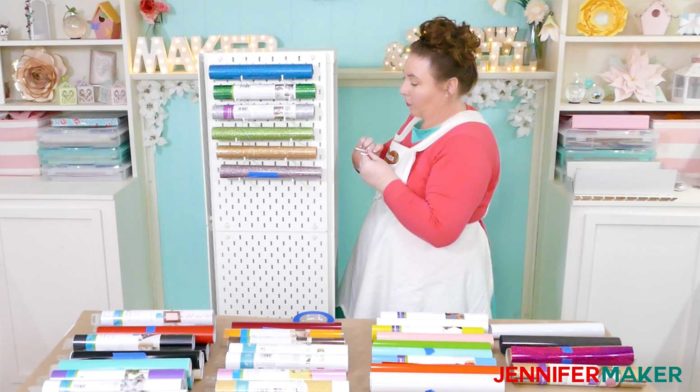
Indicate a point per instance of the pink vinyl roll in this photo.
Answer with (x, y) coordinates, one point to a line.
(436, 337)
(594, 355)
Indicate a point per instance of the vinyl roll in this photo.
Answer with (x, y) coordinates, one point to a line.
(131, 342)
(526, 373)
(595, 355)
(195, 356)
(247, 335)
(261, 133)
(272, 92)
(150, 385)
(480, 323)
(469, 319)
(290, 361)
(549, 329)
(126, 374)
(266, 152)
(279, 112)
(443, 382)
(328, 349)
(269, 172)
(122, 364)
(204, 348)
(434, 360)
(285, 325)
(154, 317)
(432, 345)
(279, 374)
(203, 334)
(438, 352)
(260, 71)
(281, 386)
(432, 329)
(507, 341)
(435, 337)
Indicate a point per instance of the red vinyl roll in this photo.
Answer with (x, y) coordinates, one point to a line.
(388, 367)
(203, 334)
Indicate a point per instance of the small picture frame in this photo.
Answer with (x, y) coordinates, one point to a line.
(103, 67)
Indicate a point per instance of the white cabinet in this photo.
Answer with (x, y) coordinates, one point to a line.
(65, 248)
(635, 266)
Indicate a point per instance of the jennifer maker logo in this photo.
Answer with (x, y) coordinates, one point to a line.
(588, 375)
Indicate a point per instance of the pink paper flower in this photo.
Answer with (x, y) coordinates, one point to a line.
(636, 77)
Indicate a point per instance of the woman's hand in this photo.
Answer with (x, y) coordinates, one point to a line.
(376, 172)
(366, 144)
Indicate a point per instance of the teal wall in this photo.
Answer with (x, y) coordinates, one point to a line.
(359, 31)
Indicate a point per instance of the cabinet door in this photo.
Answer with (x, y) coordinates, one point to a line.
(638, 272)
(52, 267)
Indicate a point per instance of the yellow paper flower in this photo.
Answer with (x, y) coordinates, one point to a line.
(601, 17)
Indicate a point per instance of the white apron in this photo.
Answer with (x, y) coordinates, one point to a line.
(392, 269)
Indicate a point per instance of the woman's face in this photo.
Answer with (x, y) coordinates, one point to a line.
(421, 91)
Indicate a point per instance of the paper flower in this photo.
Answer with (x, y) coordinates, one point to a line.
(499, 6)
(536, 11)
(151, 10)
(637, 77)
(601, 17)
(549, 29)
(37, 73)
(689, 24)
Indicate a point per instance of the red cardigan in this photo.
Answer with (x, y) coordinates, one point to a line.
(450, 185)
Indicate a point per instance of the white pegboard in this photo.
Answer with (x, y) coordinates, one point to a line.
(272, 241)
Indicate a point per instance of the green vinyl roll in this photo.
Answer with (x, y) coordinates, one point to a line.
(254, 133)
(435, 344)
(223, 91)
(305, 91)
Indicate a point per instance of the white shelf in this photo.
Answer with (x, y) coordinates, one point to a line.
(62, 42)
(628, 106)
(642, 39)
(54, 107)
(23, 188)
(160, 76)
(378, 77)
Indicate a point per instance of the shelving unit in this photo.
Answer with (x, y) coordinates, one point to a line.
(630, 264)
(90, 240)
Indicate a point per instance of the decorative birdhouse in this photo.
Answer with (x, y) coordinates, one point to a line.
(86, 93)
(655, 19)
(67, 93)
(686, 83)
(4, 32)
(106, 22)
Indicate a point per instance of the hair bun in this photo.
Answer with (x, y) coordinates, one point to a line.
(455, 40)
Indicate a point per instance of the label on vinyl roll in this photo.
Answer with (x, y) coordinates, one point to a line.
(131, 342)
(264, 91)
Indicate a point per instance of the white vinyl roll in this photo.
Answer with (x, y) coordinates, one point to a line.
(549, 329)
(147, 385)
(443, 382)
(239, 360)
(282, 386)
(427, 324)
(156, 317)
(480, 320)
(310, 349)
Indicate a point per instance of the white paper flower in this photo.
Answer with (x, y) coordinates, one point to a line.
(689, 24)
(499, 6)
(536, 11)
(550, 29)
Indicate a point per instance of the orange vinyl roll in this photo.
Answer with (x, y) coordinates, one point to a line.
(265, 152)
(391, 367)
(203, 334)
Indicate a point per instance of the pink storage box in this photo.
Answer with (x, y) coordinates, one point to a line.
(678, 146)
(606, 121)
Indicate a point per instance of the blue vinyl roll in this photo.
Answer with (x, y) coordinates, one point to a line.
(261, 72)
(122, 364)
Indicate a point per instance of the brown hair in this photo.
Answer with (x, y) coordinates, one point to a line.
(451, 49)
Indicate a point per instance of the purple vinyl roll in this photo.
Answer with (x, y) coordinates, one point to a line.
(595, 355)
(119, 374)
(269, 172)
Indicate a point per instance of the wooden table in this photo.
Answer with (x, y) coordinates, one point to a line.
(357, 334)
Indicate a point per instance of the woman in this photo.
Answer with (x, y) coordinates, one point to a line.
(423, 246)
